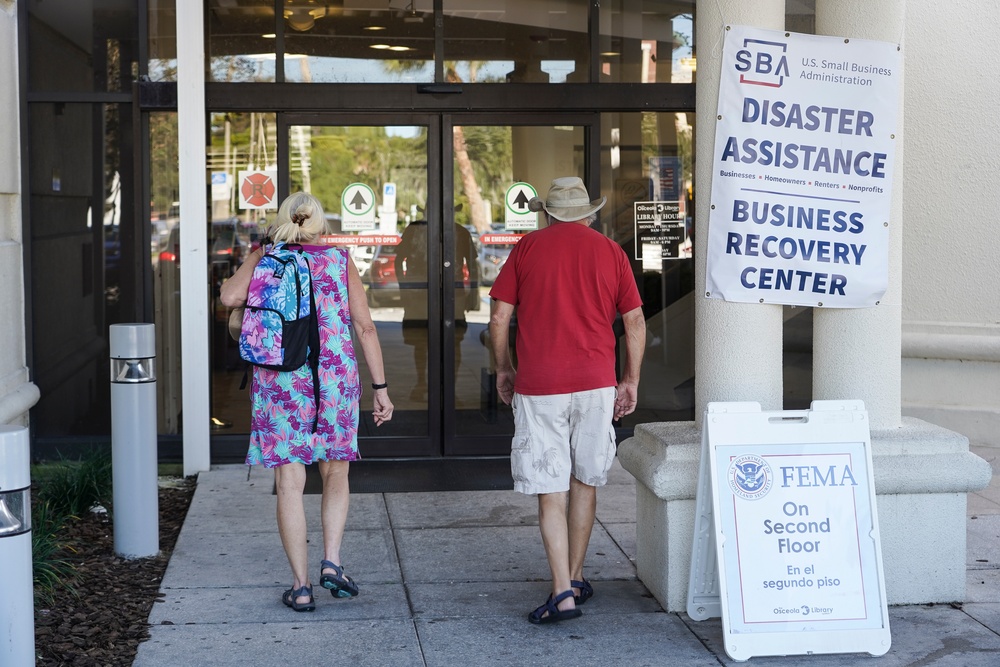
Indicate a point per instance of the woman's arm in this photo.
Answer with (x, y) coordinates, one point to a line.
(233, 292)
(364, 329)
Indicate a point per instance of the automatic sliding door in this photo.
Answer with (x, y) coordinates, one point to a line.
(392, 244)
(494, 170)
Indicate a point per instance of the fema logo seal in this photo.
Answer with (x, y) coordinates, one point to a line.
(750, 477)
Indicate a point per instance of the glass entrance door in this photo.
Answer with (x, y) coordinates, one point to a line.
(375, 178)
(450, 201)
(436, 204)
(491, 171)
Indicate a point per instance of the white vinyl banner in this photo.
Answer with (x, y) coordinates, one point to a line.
(804, 155)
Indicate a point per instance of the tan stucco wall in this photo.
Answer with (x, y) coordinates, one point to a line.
(951, 302)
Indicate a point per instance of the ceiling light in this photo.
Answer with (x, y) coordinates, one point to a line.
(411, 15)
(302, 18)
(380, 46)
(375, 27)
(399, 48)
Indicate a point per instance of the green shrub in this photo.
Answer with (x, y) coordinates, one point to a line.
(51, 573)
(72, 488)
(63, 491)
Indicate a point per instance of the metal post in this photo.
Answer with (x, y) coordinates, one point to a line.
(133, 440)
(17, 611)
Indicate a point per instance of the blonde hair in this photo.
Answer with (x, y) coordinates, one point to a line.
(300, 219)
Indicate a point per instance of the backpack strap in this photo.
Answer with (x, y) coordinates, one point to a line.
(314, 346)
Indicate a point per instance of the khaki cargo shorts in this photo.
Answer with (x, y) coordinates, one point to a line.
(559, 435)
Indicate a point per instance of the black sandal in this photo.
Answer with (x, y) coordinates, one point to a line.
(550, 613)
(339, 584)
(586, 591)
(290, 598)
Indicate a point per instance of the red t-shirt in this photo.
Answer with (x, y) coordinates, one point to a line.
(568, 282)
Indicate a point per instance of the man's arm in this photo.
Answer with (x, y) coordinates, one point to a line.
(499, 341)
(627, 391)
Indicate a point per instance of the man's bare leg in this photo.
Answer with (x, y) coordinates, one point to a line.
(582, 509)
(552, 521)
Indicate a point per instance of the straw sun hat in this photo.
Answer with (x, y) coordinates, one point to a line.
(568, 200)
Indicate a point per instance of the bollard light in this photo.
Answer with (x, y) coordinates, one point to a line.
(17, 611)
(133, 440)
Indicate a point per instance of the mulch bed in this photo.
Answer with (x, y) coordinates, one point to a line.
(104, 623)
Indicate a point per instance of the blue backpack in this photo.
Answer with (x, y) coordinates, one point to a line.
(280, 328)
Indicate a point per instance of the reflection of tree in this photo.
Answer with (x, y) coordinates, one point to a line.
(490, 152)
(235, 68)
(163, 160)
(466, 173)
(466, 169)
(343, 155)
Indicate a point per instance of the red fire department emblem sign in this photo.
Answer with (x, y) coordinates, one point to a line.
(257, 189)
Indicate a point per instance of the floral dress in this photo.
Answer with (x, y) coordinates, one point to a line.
(282, 402)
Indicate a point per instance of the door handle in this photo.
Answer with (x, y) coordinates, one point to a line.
(440, 89)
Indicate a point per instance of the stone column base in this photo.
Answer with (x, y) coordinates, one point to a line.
(922, 475)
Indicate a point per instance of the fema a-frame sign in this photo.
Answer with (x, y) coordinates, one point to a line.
(786, 546)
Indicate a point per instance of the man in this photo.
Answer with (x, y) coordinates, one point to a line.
(568, 283)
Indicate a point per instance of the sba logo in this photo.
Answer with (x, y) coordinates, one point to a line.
(762, 63)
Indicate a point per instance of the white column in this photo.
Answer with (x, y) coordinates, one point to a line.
(17, 393)
(856, 352)
(738, 345)
(194, 241)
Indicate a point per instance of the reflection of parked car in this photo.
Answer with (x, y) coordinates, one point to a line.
(362, 256)
(158, 232)
(230, 243)
(230, 246)
(383, 286)
(492, 255)
(171, 247)
(491, 260)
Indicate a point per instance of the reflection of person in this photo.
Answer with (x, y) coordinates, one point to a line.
(568, 282)
(411, 272)
(282, 402)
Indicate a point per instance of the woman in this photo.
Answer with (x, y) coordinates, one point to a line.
(283, 404)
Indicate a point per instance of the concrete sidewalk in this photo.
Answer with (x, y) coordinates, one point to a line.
(448, 579)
